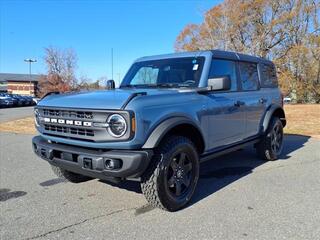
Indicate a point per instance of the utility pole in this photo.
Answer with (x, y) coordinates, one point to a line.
(30, 61)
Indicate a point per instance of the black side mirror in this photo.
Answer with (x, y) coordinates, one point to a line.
(111, 84)
(219, 83)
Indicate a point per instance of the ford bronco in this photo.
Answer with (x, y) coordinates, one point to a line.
(169, 114)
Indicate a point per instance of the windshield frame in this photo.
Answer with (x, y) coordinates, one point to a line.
(135, 68)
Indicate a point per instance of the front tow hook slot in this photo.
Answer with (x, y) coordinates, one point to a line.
(45, 153)
(87, 163)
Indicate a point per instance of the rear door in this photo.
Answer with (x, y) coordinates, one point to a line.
(226, 117)
(255, 102)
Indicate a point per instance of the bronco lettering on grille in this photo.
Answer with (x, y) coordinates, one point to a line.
(67, 122)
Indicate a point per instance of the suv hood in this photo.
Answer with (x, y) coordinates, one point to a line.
(106, 99)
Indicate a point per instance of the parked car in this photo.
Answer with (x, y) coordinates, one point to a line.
(21, 99)
(17, 100)
(14, 100)
(2, 104)
(6, 101)
(28, 100)
(287, 100)
(171, 113)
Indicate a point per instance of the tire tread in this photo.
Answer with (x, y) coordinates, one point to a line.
(149, 185)
(264, 146)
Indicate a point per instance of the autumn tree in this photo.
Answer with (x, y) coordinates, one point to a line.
(285, 31)
(61, 65)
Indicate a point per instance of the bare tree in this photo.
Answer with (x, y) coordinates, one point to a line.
(86, 83)
(61, 65)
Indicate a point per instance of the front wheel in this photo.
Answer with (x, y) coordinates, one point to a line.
(271, 144)
(172, 176)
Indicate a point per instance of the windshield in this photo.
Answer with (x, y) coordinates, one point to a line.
(172, 72)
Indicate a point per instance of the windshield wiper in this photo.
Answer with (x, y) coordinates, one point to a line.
(139, 85)
(165, 85)
(158, 85)
(173, 85)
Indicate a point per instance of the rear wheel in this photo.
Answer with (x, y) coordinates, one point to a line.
(271, 144)
(69, 176)
(171, 179)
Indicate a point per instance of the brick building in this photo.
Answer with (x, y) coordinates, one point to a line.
(20, 83)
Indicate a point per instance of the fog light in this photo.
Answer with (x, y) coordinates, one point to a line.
(112, 164)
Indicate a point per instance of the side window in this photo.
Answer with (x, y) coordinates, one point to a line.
(222, 68)
(145, 75)
(249, 75)
(268, 76)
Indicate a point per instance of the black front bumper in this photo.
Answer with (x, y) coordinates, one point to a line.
(92, 162)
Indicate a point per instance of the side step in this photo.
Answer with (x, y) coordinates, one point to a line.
(225, 150)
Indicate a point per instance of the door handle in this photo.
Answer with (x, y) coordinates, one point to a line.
(262, 100)
(238, 103)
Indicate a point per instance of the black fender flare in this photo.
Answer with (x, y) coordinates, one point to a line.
(164, 127)
(269, 113)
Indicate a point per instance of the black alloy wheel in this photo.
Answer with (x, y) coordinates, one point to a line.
(179, 174)
(172, 176)
(271, 144)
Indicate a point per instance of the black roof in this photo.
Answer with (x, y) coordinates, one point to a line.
(239, 56)
(4, 77)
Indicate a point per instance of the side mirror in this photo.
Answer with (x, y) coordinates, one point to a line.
(111, 84)
(220, 83)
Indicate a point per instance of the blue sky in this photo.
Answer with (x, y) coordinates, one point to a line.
(92, 28)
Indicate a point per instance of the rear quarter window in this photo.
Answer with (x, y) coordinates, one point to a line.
(268, 75)
(249, 76)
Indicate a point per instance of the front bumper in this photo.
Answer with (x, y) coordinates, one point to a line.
(92, 162)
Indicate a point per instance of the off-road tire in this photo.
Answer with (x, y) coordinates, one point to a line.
(155, 185)
(69, 176)
(264, 147)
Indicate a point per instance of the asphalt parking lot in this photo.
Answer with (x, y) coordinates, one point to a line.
(238, 197)
(7, 114)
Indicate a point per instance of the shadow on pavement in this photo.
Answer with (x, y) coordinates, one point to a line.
(222, 171)
(127, 185)
(6, 194)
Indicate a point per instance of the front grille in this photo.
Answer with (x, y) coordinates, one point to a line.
(80, 124)
(69, 130)
(67, 114)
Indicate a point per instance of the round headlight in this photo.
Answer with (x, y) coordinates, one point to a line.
(117, 125)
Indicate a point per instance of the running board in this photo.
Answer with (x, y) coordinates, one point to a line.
(223, 151)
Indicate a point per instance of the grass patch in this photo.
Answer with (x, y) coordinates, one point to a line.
(302, 119)
(24, 125)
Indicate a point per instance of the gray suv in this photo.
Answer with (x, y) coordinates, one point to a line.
(170, 113)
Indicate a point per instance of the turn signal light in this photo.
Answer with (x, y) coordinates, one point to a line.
(133, 124)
